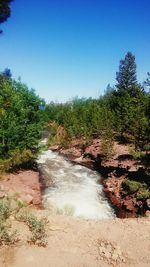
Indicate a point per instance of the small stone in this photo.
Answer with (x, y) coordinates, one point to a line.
(147, 213)
(148, 203)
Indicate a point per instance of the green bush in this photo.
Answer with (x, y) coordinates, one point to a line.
(143, 193)
(36, 226)
(21, 123)
(7, 237)
(132, 186)
(12, 206)
(5, 209)
(17, 158)
(38, 229)
(5, 165)
(136, 154)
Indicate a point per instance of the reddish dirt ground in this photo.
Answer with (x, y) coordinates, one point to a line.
(25, 183)
(74, 242)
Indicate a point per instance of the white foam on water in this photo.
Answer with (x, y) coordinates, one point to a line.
(75, 191)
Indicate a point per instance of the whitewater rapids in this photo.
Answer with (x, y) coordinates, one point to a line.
(75, 190)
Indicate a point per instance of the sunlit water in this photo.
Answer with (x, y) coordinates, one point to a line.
(75, 190)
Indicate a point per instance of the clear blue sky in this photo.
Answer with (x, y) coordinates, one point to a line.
(65, 48)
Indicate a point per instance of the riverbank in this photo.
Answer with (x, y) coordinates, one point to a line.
(117, 169)
(29, 185)
(25, 184)
(74, 242)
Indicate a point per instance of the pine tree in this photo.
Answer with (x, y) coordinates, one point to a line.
(5, 11)
(126, 77)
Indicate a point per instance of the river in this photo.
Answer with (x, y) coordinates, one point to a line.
(75, 190)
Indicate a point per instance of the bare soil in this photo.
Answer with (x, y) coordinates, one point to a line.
(74, 242)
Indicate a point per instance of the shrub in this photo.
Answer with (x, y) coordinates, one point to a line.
(7, 237)
(146, 148)
(11, 205)
(38, 229)
(107, 144)
(132, 186)
(17, 158)
(5, 209)
(59, 135)
(5, 165)
(36, 226)
(143, 193)
(136, 154)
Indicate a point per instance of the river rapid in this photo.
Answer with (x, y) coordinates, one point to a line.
(75, 190)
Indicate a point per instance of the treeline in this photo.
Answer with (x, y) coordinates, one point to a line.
(21, 121)
(123, 112)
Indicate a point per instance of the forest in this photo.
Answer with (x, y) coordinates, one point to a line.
(122, 113)
(74, 175)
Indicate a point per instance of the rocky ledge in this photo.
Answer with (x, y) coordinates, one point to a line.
(115, 171)
(25, 185)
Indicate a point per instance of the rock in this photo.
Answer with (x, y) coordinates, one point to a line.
(129, 205)
(27, 198)
(71, 153)
(36, 201)
(92, 152)
(54, 148)
(148, 203)
(147, 214)
(79, 159)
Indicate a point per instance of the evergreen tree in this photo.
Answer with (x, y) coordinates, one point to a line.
(6, 73)
(129, 102)
(5, 10)
(126, 77)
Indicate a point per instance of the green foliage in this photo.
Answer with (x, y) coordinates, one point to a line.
(5, 209)
(59, 135)
(37, 227)
(132, 186)
(80, 118)
(107, 144)
(5, 10)
(142, 192)
(7, 237)
(21, 122)
(124, 110)
(130, 104)
(137, 155)
(12, 206)
(126, 77)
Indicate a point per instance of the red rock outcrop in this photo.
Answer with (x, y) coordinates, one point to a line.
(26, 184)
(117, 168)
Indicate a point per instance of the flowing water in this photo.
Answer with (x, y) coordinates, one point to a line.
(75, 190)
